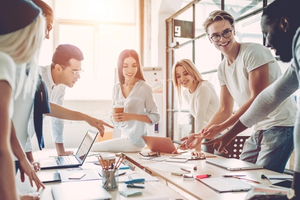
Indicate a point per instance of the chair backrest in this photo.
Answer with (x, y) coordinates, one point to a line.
(235, 148)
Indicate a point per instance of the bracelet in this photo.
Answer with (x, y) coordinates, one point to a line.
(291, 194)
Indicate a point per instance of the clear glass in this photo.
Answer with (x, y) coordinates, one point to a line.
(203, 8)
(249, 30)
(87, 79)
(101, 29)
(207, 56)
(113, 39)
(242, 7)
(110, 179)
(104, 11)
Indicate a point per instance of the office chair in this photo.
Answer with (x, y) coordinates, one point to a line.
(235, 148)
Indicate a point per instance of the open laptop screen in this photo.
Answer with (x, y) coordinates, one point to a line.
(86, 144)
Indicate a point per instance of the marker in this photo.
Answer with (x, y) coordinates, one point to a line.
(203, 176)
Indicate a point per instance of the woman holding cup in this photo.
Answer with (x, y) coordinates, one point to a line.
(139, 106)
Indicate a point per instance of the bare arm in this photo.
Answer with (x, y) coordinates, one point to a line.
(7, 168)
(64, 113)
(120, 117)
(25, 167)
(225, 110)
(258, 81)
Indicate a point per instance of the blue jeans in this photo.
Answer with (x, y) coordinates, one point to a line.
(270, 148)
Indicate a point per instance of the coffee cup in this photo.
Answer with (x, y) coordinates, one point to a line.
(118, 109)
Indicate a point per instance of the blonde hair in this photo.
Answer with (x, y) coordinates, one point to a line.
(23, 46)
(190, 67)
(217, 15)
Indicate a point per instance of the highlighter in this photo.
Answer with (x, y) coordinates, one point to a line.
(203, 176)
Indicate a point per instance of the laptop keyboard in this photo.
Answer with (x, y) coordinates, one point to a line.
(66, 160)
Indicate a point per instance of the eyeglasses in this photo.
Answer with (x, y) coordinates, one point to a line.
(226, 34)
(76, 73)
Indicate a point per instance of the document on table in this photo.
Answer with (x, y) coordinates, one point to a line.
(90, 174)
(279, 178)
(221, 185)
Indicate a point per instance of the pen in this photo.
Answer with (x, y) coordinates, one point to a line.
(186, 170)
(123, 173)
(246, 179)
(227, 176)
(175, 151)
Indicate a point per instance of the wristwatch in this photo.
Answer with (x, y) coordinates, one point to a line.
(291, 194)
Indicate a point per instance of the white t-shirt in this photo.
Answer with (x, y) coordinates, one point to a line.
(203, 102)
(56, 94)
(236, 79)
(8, 73)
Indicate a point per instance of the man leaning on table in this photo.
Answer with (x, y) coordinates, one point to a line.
(64, 71)
(281, 27)
(246, 70)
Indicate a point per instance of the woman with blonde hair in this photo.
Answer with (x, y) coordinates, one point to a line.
(22, 30)
(199, 94)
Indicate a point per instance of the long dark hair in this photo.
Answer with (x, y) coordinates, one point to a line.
(126, 54)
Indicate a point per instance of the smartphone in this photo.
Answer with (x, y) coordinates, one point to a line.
(77, 175)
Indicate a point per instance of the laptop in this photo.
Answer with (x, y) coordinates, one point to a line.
(81, 190)
(162, 144)
(233, 164)
(72, 160)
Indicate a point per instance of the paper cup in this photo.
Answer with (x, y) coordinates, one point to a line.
(118, 109)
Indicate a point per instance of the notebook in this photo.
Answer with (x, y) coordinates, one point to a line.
(162, 144)
(73, 160)
(222, 185)
(233, 164)
(81, 190)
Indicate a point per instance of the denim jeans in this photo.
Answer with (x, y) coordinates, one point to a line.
(270, 148)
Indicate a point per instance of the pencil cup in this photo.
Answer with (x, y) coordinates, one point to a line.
(110, 179)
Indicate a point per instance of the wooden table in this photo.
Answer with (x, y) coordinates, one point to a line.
(195, 188)
(153, 190)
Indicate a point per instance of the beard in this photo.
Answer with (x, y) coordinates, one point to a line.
(284, 49)
(286, 56)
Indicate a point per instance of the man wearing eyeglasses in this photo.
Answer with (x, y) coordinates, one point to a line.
(246, 70)
(64, 71)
